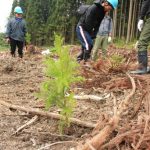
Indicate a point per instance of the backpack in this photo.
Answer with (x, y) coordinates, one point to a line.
(82, 9)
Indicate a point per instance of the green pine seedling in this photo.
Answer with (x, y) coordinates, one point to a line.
(60, 73)
(116, 60)
(28, 38)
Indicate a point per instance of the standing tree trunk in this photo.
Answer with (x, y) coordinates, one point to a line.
(124, 20)
(114, 23)
(120, 22)
(129, 22)
(133, 20)
(73, 25)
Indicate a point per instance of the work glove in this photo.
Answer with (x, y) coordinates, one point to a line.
(109, 39)
(140, 25)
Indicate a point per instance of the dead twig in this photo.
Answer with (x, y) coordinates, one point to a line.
(119, 138)
(142, 137)
(56, 143)
(34, 119)
(124, 105)
(137, 107)
(91, 97)
(101, 122)
(90, 146)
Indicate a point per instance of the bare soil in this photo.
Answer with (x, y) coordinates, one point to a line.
(20, 81)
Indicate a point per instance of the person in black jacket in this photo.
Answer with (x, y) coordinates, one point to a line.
(89, 23)
(144, 39)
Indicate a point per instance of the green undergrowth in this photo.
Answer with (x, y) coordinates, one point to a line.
(3, 45)
(116, 60)
(121, 43)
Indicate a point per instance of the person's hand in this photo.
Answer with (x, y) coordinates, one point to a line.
(109, 39)
(140, 25)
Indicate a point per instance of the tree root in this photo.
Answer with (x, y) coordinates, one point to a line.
(98, 140)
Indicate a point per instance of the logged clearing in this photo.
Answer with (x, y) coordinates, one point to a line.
(112, 112)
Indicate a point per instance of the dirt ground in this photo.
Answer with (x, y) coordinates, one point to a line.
(20, 80)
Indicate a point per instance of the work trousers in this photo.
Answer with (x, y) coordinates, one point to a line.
(101, 42)
(16, 44)
(144, 36)
(86, 42)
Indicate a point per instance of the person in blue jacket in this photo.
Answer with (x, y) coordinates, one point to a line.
(16, 31)
(103, 37)
(89, 23)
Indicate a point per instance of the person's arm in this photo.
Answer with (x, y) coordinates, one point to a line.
(110, 27)
(8, 29)
(142, 14)
(8, 32)
(25, 28)
(95, 30)
(110, 30)
(144, 9)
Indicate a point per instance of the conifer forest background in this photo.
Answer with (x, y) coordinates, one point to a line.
(44, 17)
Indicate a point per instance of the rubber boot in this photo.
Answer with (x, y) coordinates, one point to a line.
(143, 60)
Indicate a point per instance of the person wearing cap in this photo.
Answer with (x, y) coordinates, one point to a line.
(89, 23)
(16, 31)
(144, 39)
(103, 37)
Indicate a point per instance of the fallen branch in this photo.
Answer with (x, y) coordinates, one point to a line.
(56, 143)
(48, 114)
(35, 118)
(124, 105)
(91, 97)
(138, 105)
(91, 147)
(118, 139)
(83, 97)
(142, 137)
(101, 137)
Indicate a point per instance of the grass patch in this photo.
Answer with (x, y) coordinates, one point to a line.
(121, 43)
(3, 45)
(3, 48)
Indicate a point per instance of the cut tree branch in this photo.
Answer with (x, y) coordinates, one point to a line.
(91, 97)
(48, 114)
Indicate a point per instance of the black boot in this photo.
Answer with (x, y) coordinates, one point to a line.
(80, 56)
(87, 55)
(143, 60)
